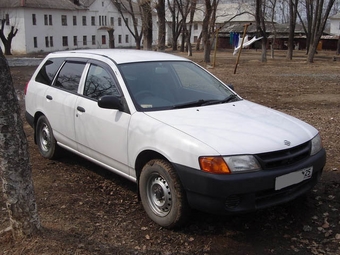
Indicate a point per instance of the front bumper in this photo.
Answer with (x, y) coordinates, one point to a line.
(236, 193)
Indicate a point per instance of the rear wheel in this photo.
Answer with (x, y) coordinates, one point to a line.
(46, 142)
(162, 194)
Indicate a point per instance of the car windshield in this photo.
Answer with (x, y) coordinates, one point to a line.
(173, 85)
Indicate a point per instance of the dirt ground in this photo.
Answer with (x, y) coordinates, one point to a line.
(87, 210)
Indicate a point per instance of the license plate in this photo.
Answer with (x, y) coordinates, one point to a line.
(293, 178)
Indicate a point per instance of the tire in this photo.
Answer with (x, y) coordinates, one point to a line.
(46, 142)
(162, 194)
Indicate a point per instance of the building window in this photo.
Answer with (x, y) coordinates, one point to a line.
(51, 41)
(50, 20)
(195, 26)
(119, 21)
(105, 20)
(74, 20)
(84, 40)
(195, 39)
(126, 38)
(112, 21)
(103, 39)
(126, 21)
(100, 20)
(75, 40)
(93, 20)
(63, 20)
(45, 20)
(35, 42)
(103, 4)
(84, 20)
(119, 38)
(47, 42)
(34, 20)
(93, 40)
(7, 19)
(65, 41)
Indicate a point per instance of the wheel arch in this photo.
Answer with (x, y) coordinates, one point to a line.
(144, 157)
(37, 115)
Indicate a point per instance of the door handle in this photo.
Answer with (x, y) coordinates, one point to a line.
(81, 109)
(49, 97)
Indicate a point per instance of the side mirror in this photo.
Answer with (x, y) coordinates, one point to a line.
(231, 87)
(110, 102)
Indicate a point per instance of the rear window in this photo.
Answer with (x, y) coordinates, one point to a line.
(48, 70)
(69, 76)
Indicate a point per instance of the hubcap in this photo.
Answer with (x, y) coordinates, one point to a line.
(45, 138)
(159, 195)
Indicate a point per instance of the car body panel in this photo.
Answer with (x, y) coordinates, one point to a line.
(238, 128)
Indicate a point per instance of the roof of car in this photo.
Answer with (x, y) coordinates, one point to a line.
(121, 56)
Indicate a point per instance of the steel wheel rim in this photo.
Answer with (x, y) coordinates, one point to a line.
(45, 138)
(159, 195)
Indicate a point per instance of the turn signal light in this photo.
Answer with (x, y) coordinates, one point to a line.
(214, 165)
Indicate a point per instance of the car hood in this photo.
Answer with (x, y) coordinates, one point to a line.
(240, 127)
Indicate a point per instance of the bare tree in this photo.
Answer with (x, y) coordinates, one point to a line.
(317, 15)
(129, 7)
(15, 168)
(273, 6)
(260, 10)
(293, 4)
(146, 23)
(7, 41)
(191, 20)
(160, 7)
(176, 22)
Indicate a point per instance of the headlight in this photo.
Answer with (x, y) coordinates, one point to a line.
(243, 163)
(228, 165)
(316, 145)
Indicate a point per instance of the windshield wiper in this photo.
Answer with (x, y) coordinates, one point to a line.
(228, 99)
(191, 104)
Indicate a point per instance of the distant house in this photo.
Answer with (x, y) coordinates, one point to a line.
(228, 13)
(53, 25)
(335, 24)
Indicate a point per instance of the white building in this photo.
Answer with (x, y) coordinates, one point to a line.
(50, 25)
(335, 24)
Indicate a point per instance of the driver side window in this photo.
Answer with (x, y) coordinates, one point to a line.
(99, 82)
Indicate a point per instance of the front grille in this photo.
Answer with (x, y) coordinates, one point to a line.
(284, 157)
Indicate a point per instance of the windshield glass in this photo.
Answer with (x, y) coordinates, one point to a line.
(173, 85)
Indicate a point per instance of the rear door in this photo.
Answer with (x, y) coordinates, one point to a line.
(102, 133)
(60, 101)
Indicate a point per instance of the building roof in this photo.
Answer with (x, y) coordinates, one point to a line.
(270, 28)
(47, 4)
(336, 16)
(236, 12)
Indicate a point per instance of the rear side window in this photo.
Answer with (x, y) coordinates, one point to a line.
(48, 71)
(69, 76)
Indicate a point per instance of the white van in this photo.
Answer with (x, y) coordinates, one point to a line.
(164, 122)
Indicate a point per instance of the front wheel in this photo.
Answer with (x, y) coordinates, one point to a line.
(162, 194)
(46, 142)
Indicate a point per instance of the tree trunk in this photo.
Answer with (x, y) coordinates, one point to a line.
(7, 42)
(147, 24)
(15, 168)
(160, 7)
(292, 23)
(205, 31)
